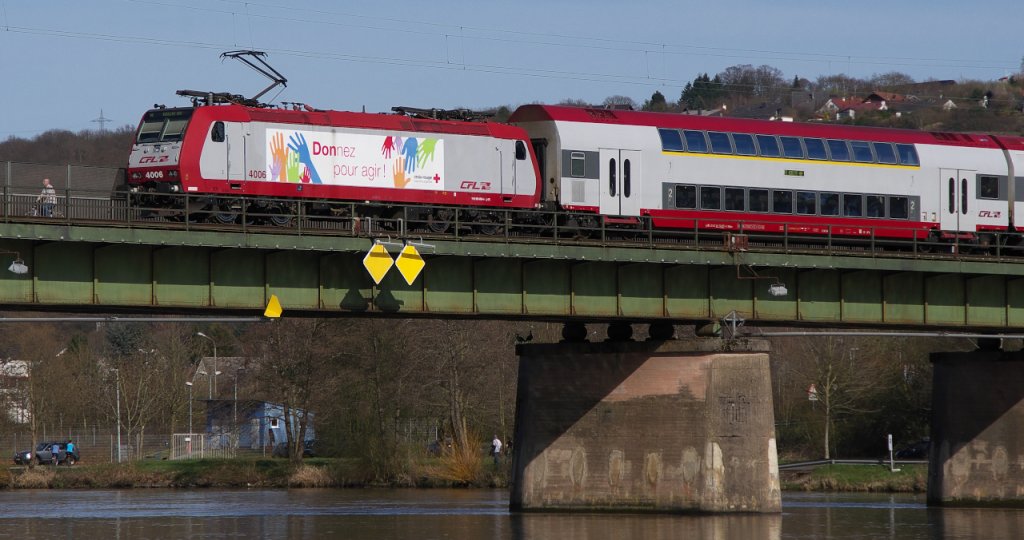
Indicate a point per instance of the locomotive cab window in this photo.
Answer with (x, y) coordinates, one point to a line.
(758, 200)
(686, 197)
(520, 150)
(163, 125)
(744, 144)
(838, 150)
(792, 148)
(815, 148)
(671, 140)
(988, 187)
(577, 164)
(710, 198)
(695, 141)
(217, 133)
(720, 143)
(769, 146)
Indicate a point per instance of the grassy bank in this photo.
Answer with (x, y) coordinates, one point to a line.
(874, 478)
(329, 472)
(240, 472)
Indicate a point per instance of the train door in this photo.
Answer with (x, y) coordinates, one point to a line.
(957, 200)
(234, 137)
(620, 182)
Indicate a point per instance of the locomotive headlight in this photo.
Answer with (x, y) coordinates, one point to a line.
(175, 189)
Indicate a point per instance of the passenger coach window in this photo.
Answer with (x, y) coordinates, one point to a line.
(686, 197)
(899, 207)
(885, 152)
(734, 199)
(806, 202)
(875, 206)
(853, 205)
(782, 202)
(577, 164)
(217, 134)
(720, 143)
(769, 146)
(671, 140)
(710, 198)
(839, 150)
(815, 149)
(758, 200)
(862, 152)
(907, 154)
(695, 141)
(988, 187)
(792, 148)
(829, 204)
(744, 144)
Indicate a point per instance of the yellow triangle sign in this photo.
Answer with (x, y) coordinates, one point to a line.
(377, 262)
(273, 310)
(409, 263)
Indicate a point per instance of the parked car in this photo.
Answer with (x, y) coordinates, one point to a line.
(282, 450)
(918, 450)
(44, 454)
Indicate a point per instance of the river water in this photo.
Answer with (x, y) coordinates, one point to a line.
(358, 514)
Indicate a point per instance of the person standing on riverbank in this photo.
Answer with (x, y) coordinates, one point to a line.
(496, 449)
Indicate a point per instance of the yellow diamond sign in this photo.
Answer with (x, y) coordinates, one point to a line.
(409, 263)
(377, 262)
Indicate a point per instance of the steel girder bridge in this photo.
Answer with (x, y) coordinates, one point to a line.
(105, 269)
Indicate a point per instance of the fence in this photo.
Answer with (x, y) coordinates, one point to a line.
(97, 445)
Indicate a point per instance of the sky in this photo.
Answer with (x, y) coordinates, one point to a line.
(64, 62)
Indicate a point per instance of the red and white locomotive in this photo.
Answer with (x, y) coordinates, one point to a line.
(680, 171)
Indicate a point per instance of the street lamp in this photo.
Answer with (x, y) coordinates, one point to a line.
(189, 385)
(18, 266)
(213, 379)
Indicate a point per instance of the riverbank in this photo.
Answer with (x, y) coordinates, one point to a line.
(238, 472)
(858, 478)
(330, 472)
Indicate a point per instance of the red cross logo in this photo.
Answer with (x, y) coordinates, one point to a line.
(437, 178)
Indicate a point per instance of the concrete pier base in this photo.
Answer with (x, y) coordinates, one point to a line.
(977, 450)
(673, 426)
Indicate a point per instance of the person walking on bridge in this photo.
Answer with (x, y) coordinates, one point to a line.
(47, 198)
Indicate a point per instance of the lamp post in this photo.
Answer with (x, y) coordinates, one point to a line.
(213, 378)
(189, 385)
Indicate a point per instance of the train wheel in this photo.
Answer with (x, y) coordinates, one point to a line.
(440, 221)
(281, 216)
(221, 215)
(489, 224)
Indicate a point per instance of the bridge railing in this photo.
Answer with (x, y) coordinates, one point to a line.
(90, 195)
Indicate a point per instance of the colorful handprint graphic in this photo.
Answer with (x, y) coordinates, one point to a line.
(401, 180)
(409, 153)
(297, 142)
(292, 167)
(278, 158)
(388, 146)
(426, 151)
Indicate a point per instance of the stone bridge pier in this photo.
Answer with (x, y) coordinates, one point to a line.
(657, 426)
(977, 451)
